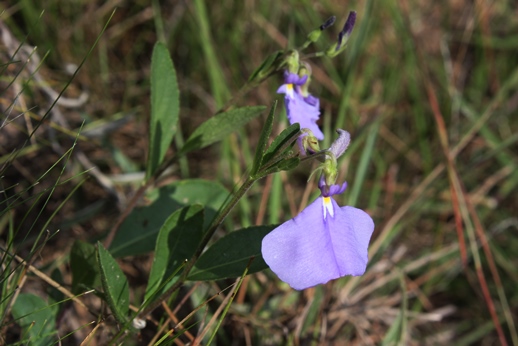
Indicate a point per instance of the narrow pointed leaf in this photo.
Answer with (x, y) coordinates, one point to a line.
(165, 106)
(283, 141)
(267, 67)
(229, 256)
(283, 165)
(177, 241)
(114, 283)
(220, 126)
(263, 140)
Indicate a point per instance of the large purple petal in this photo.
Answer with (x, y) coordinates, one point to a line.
(319, 244)
(300, 251)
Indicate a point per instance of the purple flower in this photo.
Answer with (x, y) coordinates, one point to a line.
(304, 110)
(322, 243)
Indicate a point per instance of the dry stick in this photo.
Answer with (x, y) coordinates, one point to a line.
(175, 319)
(458, 226)
(220, 309)
(264, 200)
(172, 317)
(494, 271)
(90, 335)
(186, 318)
(455, 183)
(486, 38)
(302, 317)
(456, 186)
(452, 172)
(53, 283)
(289, 193)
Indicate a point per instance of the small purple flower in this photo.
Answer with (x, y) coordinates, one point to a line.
(304, 110)
(291, 80)
(322, 243)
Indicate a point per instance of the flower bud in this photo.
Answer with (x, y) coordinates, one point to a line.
(292, 60)
(305, 71)
(309, 142)
(341, 143)
(343, 36)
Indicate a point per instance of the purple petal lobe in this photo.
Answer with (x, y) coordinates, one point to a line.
(350, 231)
(293, 78)
(362, 224)
(299, 111)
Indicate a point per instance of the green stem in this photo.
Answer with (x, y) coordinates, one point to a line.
(218, 220)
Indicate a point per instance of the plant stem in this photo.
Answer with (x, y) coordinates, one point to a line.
(218, 220)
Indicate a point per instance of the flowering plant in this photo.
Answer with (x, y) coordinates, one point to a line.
(325, 241)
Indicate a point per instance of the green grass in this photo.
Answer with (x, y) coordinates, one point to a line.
(427, 91)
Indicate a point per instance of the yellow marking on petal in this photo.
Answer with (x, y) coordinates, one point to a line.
(328, 207)
(289, 90)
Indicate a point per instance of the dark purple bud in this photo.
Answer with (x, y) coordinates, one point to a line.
(348, 28)
(330, 21)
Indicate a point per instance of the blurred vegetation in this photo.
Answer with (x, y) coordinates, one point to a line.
(428, 90)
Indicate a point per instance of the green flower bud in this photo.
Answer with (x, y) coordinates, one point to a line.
(309, 142)
(292, 60)
(330, 169)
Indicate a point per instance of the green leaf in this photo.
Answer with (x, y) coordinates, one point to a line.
(289, 164)
(114, 283)
(282, 165)
(230, 255)
(36, 319)
(220, 126)
(263, 140)
(283, 141)
(138, 233)
(177, 241)
(268, 66)
(165, 106)
(85, 270)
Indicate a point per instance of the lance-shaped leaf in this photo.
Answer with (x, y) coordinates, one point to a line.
(177, 241)
(270, 65)
(263, 140)
(220, 126)
(282, 142)
(229, 256)
(114, 283)
(165, 106)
